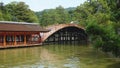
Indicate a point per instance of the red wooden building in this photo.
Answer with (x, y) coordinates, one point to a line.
(14, 34)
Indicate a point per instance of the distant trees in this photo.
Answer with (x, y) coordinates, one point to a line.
(53, 16)
(17, 11)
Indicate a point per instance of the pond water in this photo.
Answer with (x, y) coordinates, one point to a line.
(56, 56)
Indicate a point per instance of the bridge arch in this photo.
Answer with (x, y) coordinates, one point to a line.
(65, 33)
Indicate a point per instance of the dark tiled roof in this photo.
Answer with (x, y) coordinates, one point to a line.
(12, 26)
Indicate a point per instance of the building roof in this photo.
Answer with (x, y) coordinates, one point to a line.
(19, 26)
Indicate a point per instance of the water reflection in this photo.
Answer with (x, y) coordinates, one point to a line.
(56, 56)
(115, 65)
(16, 57)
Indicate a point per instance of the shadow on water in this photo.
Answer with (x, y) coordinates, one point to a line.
(115, 65)
(66, 43)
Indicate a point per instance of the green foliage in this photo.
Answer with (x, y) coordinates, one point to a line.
(94, 29)
(53, 16)
(102, 25)
(104, 37)
(17, 11)
(1, 16)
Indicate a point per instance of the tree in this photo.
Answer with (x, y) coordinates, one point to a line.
(53, 16)
(21, 12)
(62, 14)
(1, 16)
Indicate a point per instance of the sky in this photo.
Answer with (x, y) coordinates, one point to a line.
(39, 5)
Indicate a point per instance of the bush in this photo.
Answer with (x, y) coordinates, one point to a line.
(104, 38)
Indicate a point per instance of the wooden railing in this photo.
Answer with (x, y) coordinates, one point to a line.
(33, 42)
(9, 43)
(19, 43)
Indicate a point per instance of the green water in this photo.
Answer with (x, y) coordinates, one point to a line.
(56, 56)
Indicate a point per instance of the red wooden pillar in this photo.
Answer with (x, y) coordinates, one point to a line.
(15, 43)
(4, 40)
(24, 39)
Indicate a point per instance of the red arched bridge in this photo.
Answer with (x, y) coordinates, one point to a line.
(64, 33)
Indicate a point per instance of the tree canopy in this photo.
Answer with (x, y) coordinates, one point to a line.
(17, 11)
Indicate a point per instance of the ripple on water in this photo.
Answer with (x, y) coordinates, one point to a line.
(72, 62)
